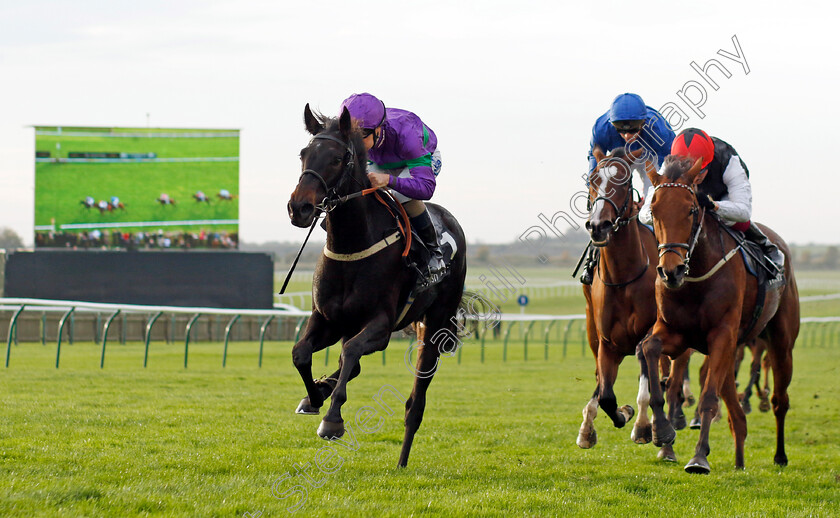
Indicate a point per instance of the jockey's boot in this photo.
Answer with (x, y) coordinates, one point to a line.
(436, 268)
(771, 251)
(589, 265)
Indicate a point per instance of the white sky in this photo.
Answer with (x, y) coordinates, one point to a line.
(510, 88)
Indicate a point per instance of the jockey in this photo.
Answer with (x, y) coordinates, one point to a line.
(402, 155)
(115, 201)
(631, 124)
(725, 189)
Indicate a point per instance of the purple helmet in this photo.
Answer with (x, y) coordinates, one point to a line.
(365, 108)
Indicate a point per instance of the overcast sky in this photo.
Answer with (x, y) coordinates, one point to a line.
(510, 88)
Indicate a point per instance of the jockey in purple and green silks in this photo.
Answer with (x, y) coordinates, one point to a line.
(402, 155)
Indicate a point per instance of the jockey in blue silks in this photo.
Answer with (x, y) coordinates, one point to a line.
(631, 124)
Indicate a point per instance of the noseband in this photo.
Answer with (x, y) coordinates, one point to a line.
(696, 226)
(332, 200)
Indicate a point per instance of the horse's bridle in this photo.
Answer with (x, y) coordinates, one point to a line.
(620, 221)
(696, 226)
(332, 199)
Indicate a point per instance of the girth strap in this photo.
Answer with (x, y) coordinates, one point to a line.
(367, 252)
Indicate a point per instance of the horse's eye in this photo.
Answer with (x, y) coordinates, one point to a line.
(336, 160)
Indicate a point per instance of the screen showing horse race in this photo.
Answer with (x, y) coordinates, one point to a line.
(136, 188)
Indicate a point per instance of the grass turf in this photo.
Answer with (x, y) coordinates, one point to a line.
(497, 440)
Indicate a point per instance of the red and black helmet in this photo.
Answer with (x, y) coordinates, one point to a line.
(694, 143)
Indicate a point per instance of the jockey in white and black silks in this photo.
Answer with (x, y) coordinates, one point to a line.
(725, 189)
(402, 155)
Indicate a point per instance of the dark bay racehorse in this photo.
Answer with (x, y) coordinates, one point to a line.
(712, 312)
(362, 286)
(620, 305)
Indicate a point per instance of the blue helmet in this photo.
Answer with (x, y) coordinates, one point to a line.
(627, 107)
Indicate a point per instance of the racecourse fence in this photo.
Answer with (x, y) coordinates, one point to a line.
(32, 320)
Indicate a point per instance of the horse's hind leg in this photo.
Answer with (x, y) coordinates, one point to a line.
(780, 351)
(764, 393)
(642, 430)
(428, 356)
(737, 419)
(675, 393)
(318, 335)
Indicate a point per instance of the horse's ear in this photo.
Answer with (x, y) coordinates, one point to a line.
(598, 154)
(693, 175)
(312, 124)
(654, 177)
(345, 124)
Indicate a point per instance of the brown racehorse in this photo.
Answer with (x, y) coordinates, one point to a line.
(620, 305)
(710, 312)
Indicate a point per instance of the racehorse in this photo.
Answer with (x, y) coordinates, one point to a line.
(713, 312)
(362, 287)
(620, 306)
(164, 199)
(119, 205)
(225, 195)
(199, 196)
(88, 203)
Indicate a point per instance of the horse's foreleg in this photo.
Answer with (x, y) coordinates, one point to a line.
(642, 433)
(648, 352)
(373, 337)
(587, 437)
(608, 362)
(721, 346)
(317, 336)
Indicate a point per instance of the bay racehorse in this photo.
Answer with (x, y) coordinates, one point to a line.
(620, 305)
(362, 288)
(714, 311)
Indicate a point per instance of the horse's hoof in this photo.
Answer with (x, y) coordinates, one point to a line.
(329, 430)
(689, 401)
(586, 441)
(679, 422)
(764, 406)
(780, 460)
(695, 423)
(642, 434)
(628, 412)
(306, 408)
(745, 406)
(698, 465)
(663, 434)
(666, 453)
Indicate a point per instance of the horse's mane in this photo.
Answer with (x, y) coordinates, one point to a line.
(675, 166)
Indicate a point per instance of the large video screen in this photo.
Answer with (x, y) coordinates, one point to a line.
(136, 188)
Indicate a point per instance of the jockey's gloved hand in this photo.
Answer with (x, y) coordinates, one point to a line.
(706, 202)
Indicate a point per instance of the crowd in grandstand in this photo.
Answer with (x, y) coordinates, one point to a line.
(137, 240)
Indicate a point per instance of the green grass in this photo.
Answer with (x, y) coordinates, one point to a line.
(498, 439)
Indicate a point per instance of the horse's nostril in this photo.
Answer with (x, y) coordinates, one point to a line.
(587, 225)
(680, 270)
(661, 272)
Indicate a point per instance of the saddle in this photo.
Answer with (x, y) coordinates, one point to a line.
(763, 279)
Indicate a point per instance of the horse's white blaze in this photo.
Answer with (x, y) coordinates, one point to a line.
(605, 173)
